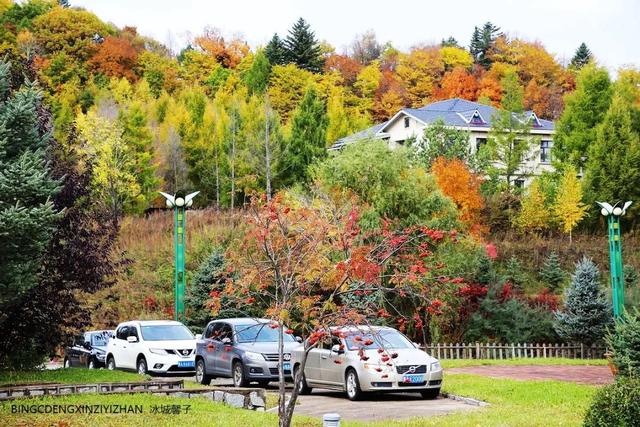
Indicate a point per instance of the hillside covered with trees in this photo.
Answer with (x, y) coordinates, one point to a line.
(95, 120)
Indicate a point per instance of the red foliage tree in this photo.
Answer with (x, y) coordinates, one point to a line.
(345, 65)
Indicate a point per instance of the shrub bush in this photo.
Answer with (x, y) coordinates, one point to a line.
(624, 343)
(616, 405)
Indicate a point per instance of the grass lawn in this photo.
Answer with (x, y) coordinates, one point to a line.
(512, 402)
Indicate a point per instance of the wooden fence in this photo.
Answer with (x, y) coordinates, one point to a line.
(512, 351)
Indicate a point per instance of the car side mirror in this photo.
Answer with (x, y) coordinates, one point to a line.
(226, 341)
(87, 345)
(416, 344)
(298, 339)
(336, 349)
(132, 339)
(198, 336)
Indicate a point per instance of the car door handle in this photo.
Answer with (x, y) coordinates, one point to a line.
(323, 356)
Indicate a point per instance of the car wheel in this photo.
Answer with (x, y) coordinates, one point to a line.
(431, 393)
(303, 388)
(111, 363)
(91, 364)
(201, 373)
(142, 366)
(239, 379)
(352, 385)
(67, 363)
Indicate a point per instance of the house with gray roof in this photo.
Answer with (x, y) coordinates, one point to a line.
(409, 124)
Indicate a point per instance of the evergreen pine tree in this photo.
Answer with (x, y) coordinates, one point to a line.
(475, 46)
(307, 143)
(257, 77)
(487, 36)
(450, 42)
(551, 273)
(586, 312)
(210, 277)
(27, 214)
(275, 51)
(582, 57)
(513, 273)
(302, 48)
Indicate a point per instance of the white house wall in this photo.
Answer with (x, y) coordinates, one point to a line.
(398, 134)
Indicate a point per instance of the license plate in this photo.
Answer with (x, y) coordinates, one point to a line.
(286, 366)
(413, 379)
(186, 364)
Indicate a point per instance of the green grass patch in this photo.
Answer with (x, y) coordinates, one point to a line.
(512, 403)
(69, 376)
(462, 363)
(201, 412)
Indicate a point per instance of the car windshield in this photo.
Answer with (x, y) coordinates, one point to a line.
(385, 338)
(166, 333)
(100, 339)
(260, 332)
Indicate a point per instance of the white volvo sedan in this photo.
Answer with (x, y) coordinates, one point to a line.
(158, 346)
(362, 359)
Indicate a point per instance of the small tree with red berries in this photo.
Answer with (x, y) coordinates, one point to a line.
(300, 259)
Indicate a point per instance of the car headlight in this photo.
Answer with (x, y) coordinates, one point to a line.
(378, 367)
(100, 356)
(253, 356)
(435, 366)
(158, 351)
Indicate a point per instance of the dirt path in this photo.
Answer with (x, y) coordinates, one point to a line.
(598, 375)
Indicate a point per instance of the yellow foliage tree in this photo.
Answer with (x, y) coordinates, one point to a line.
(287, 86)
(418, 71)
(455, 57)
(533, 215)
(568, 207)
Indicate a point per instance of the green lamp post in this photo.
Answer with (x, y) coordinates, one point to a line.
(179, 202)
(613, 214)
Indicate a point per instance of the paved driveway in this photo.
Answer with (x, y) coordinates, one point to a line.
(377, 406)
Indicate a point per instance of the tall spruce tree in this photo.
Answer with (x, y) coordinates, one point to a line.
(475, 46)
(551, 272)
(582, 57)
(302, 48)
(584, 110)
(275, 51)
(27, 213)
(586, 312)
(307, 143)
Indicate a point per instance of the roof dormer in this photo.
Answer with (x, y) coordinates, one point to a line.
(472, 117)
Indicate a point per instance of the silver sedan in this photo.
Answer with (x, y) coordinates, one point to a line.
(362, 359)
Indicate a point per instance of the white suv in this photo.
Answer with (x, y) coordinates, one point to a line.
(158, 346)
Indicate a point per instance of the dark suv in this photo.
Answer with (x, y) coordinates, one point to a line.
(88, 350)
(244, 349)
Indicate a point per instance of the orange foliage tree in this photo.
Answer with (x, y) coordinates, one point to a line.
(226, 53)
(116, 57)
(301, 262)
(458, 83)
(463, 187)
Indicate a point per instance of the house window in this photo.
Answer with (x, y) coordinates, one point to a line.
(545, 151)
(406, 122)
(480, 142)
(519, 183)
